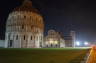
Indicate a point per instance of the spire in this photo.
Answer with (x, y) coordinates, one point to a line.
(27, 3)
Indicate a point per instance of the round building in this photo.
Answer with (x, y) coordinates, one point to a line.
(24, 27)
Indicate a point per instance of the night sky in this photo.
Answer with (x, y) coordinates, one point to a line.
(61, 15)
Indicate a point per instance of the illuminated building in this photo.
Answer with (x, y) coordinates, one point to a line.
(24, 27)
(54, 40)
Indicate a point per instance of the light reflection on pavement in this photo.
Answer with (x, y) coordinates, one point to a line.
(92, 56)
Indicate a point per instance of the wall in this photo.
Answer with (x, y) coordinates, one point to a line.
(2, 43)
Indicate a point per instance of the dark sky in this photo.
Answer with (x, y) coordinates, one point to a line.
(61, 15)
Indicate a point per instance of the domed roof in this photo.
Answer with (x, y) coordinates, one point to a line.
(26, 6)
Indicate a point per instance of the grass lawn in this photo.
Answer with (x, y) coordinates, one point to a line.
(47, 55)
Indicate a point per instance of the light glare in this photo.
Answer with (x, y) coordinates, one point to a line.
(78, 43)
(86, 43)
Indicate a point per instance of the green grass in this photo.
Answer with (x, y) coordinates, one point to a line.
(43, 55)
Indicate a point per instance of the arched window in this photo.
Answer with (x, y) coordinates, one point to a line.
(31, 37)
(22, 26)
(24, 37)
(25, 17)
(17, 37)
(10, 43)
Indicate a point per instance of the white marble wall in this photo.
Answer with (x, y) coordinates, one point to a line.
(24, 24)
(2, 43)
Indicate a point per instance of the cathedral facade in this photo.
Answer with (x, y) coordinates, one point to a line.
(54, 40)
(24, 27)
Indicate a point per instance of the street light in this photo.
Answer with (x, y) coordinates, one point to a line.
(86, 43)
(78, 43)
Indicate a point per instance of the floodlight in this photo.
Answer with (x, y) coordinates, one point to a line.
(86, 43)
(78, 43)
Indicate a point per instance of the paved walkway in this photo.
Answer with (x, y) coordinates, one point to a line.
(92, 57)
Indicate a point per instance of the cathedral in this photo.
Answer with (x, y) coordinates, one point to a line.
(54, 40)
(24, 27)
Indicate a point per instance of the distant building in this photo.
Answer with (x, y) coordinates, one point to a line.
(24, 27)
(54, 40)
(68, 41)
(73, 35)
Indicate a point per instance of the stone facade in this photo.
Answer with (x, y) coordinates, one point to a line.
(24, 27)
(2, 43)
(54, 40)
